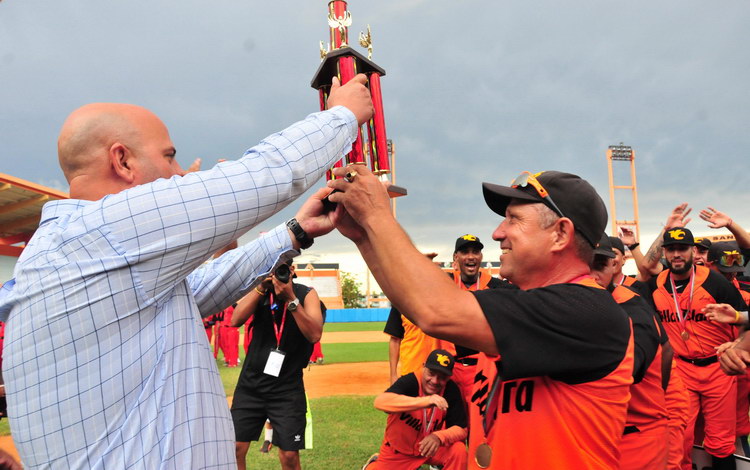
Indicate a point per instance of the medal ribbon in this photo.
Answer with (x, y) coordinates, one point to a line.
(278, 330)
(428, 426)
(677, 308)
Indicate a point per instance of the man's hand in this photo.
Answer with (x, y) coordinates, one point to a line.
(677, 217)
(715, 218)
(311, 217)
(361, 200)
(429, 445)
(439, 402)
(722, 313)
(734, 360)
(7, 462)
(354, 96)
(627, 236)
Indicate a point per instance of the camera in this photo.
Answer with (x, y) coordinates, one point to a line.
(282, 273)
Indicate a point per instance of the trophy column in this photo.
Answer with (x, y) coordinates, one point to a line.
(340, 60)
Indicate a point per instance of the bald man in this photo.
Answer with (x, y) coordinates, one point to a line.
(106, 362)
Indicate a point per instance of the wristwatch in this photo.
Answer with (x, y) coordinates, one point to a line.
(292, 305)
(299, 233)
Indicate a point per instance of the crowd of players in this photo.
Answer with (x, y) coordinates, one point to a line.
(562, 364)
(687, 307)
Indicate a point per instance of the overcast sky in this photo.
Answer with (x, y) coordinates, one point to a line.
(475, 91)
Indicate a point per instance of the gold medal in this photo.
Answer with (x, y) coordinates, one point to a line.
(483, 455)
(685, 335)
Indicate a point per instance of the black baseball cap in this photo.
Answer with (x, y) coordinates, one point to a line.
(703, 242)
(575, 198)
(604, 247)
(678, 236)
(730, 252)
(468, 239)
(615, 242)
(440, 360)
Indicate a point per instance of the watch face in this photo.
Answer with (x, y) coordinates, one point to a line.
(292, 306)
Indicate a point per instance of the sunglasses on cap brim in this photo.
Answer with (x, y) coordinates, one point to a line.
(527, 179)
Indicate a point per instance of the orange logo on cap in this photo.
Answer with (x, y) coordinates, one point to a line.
(677, 234)
(443, 360)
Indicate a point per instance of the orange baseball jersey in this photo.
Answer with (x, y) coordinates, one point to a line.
(644, 443)
(562, 380)
(627, 281)
(415, 344)
(695, 336)
(406, 429)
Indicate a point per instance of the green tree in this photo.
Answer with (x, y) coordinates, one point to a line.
(351, 292)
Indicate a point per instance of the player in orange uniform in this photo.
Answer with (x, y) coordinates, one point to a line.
(426, 419)
(680, 293)
(558, 396)
(467, 260)
(644, 442)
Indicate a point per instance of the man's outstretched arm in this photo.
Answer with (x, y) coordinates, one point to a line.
(364, 216)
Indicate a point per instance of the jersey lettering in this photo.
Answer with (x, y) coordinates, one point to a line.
(481, 392)
(668, 316)
(416, 423)
(411, 421)
(520, 394)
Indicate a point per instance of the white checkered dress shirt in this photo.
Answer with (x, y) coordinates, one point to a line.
(106, 361)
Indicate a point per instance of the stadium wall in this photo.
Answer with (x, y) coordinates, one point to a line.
(342, 315)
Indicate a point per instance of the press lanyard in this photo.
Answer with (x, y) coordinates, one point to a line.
(677, 308)
(278, 330)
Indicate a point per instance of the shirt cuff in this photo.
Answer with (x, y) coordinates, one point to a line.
(349, 118)
(276, 243)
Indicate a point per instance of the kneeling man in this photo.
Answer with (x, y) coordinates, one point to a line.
(426, 419)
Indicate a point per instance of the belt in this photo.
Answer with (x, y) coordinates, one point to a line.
(630, 430)
(467, 361)
(701, 362)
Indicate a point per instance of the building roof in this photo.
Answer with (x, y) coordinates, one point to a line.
(21, 204)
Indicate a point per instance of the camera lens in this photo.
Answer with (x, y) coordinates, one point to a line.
(282, 273)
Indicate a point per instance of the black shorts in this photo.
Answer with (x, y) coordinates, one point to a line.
(287, 413)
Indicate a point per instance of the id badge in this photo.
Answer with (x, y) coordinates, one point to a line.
(274, 363)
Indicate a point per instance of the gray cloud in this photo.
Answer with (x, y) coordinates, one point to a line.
(475, 91)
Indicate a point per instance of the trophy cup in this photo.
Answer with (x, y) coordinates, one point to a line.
(339, 59)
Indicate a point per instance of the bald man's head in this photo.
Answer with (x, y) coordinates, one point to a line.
(90, 131)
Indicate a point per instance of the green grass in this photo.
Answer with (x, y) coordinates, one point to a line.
(347, 430)
(355, 326)
(4, 427)
(355, 352)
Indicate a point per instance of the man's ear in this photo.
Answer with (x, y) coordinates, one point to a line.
(122, 159)
(564, 234)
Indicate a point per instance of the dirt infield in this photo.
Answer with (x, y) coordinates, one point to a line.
(354, 378)
(354, 337)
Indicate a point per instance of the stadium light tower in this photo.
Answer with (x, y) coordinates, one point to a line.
(622, 153)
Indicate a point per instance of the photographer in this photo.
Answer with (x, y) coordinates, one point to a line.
(287, 319)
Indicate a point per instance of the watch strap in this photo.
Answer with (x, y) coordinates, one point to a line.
(305, 241)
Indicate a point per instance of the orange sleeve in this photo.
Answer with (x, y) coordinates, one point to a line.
(451, 435)
(395, 403)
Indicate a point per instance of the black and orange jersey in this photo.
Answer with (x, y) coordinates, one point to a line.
(745, 293)
(415, 344)
(485, 281)
(696, 336)
(646, 407)
(566, 365)
(406, 429)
